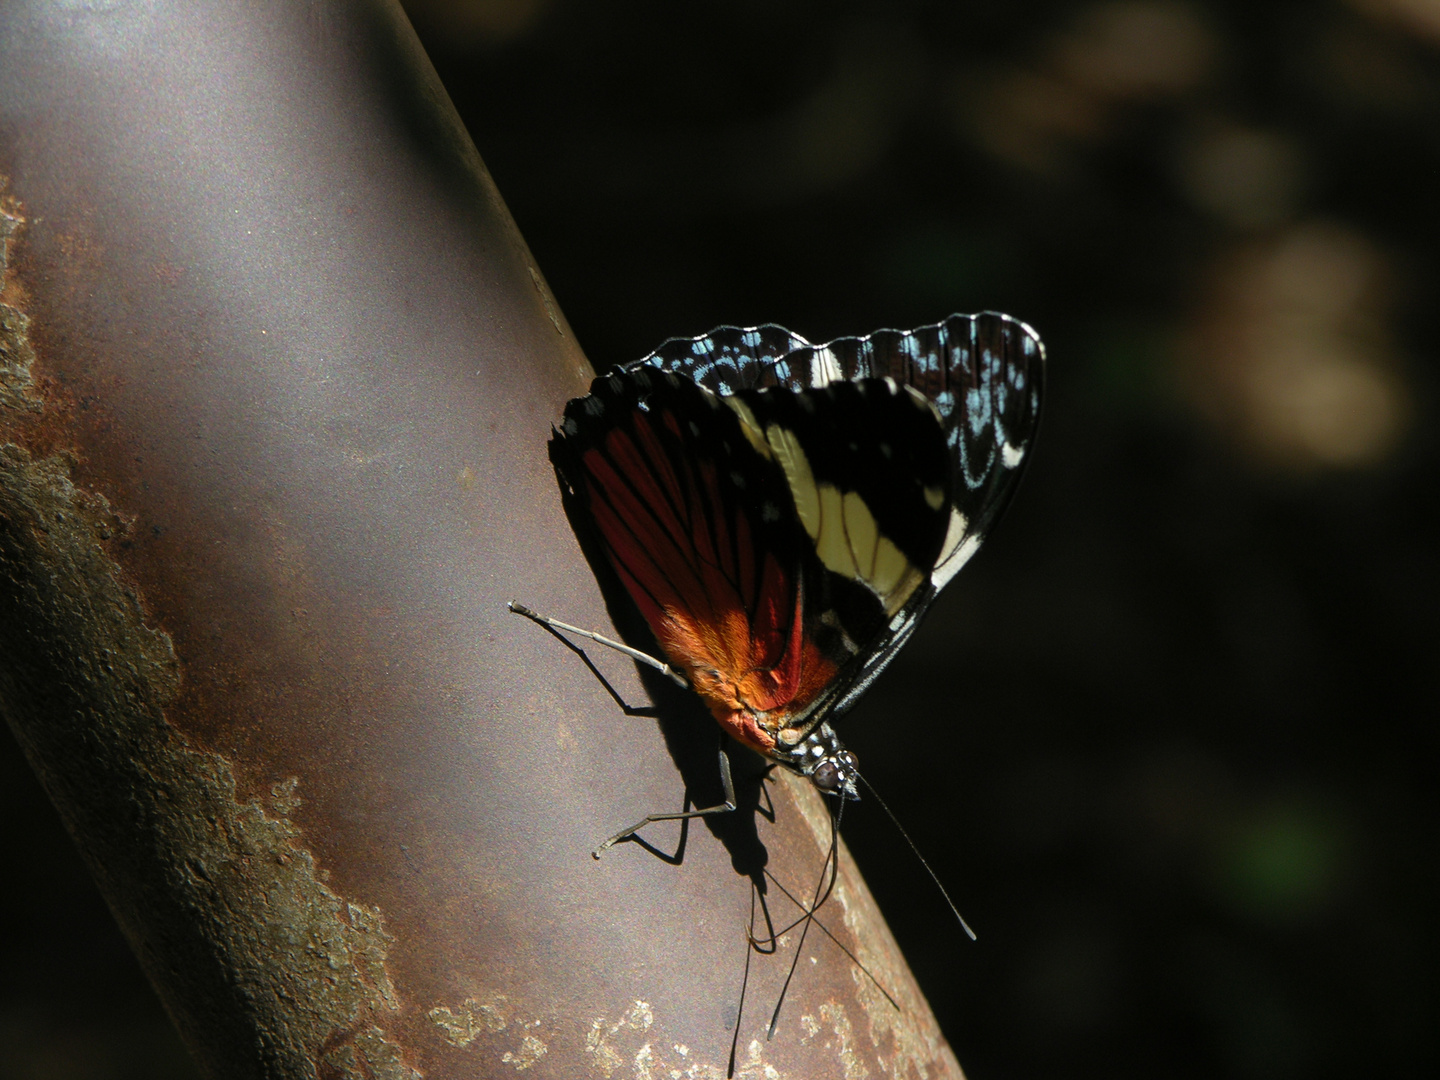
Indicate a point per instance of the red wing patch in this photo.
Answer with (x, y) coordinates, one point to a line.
(699, 528)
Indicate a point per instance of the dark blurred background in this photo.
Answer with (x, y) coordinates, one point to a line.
(1171, 738)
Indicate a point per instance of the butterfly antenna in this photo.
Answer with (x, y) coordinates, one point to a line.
(933, 876)
(767, 945)
(832, 870)
(744, 980)
(826, 931)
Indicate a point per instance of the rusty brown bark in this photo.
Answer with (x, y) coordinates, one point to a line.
(276, 379)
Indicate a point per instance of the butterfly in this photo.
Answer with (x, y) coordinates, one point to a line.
(783, 513)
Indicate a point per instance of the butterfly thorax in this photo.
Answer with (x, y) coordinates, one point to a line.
(822, 758)
(781, 735)
(765, 707)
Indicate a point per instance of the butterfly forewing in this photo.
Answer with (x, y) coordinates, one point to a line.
(782, 513)
(873, 488)
(690, 516)
(696, 518)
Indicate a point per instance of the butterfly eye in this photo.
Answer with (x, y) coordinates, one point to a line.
(827, 776)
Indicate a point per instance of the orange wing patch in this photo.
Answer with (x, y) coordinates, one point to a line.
(726, 610)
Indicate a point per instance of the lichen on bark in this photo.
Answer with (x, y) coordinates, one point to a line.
(266, 970)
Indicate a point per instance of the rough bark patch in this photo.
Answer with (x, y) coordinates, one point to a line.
(907, 1041)
(267, 971)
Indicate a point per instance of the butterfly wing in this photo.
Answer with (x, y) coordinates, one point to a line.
(868, 470)
(985, 374)
(700, 527)
(732, 358)
(702, 556)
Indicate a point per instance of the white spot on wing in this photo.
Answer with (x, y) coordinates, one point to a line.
(824, 368)
(954, 534)
(956, 550)
(831, 543)
(951, 566)
(749, 425)
(1010, 455)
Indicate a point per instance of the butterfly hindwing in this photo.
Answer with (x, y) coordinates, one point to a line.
(868, 470)
(868, 474)
(984, 373)
(730, 358)
(669, 482)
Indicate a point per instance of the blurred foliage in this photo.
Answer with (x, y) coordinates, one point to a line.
(1172, 737)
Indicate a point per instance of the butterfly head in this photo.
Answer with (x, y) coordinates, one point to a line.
(823, 758)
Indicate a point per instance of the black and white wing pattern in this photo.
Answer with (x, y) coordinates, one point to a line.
(984, 373)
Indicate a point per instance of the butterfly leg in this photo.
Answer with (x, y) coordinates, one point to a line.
(599, 639)
(720, 808)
